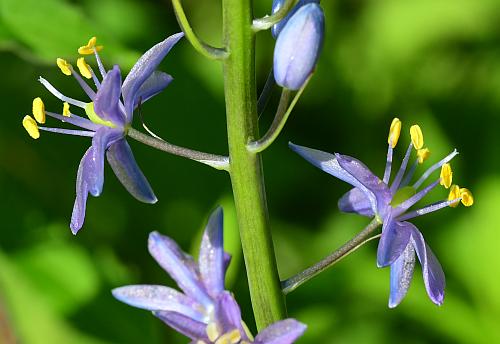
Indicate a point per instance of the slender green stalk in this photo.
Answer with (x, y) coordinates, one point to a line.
(246, 168)
(282, 114)
(218, 162)
(266, 93)
(352, 245)
(200, 46)
(266, 22)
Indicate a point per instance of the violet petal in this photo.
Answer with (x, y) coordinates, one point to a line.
(78, 215)
(107, 100)
(281, 332)
(394, 239)
(355, 201)
(153, 85)
(183, 324)
(401, 275)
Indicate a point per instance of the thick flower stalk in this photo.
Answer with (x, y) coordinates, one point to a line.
(205, 311)
(391, 203)
(109, 119)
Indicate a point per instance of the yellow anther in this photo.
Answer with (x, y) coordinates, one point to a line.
(394, 132)
(84, 68)
(212, 331)
(423, 154)
(39, 110)
(64, 66)
(247, 330)
(31, 127)
(66, 112)
(454, 194)
(231, 337)
(90, 47)
(417, 138)
(467, 198)
(446, 176)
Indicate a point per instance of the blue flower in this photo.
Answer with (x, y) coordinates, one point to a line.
(298, 46)
(374, 197)
(277, 4)
(108, 120)
(205, 311)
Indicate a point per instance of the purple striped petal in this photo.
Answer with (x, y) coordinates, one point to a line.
(102, 139)
(282, 332)
(211, 258)
(228, 313)
(152, 86)
(159, 298)
(355, 201)
(395, 238)
(127, 171)
(179, 266)
(185, 325)
(401, 275)
(142, 70)
(366, 178)
(107, 100)
(78, 215)
(432, 271)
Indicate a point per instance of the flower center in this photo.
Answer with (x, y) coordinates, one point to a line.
(89, 110)
(402, 195)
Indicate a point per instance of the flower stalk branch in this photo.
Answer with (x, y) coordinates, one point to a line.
(268, 21)
(282, 113)
(203, 48)
(218, 162)
(352, 245)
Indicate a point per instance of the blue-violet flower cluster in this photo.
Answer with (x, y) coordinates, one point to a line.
(205, 312)
(391, 203)
(108, 120)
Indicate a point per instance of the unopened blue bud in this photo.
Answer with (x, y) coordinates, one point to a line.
(277, 4)
(298, 46)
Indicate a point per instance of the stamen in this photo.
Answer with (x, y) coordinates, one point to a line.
(394, 132)
(61, 96)
(94, 77)
(83, 67)
(75, 120)
(414, 199)
(84, 133)
(90, 47)
(446, 176)
(232, 337)
(467, 198)
(39, 110)
(31, 127)
(247, 330)
(388, 165)
(90, 92)
(402, 169)
(64, 66)
(212, 331)
(454, 196)
(102, 70)
(433, 168)
(428, 209)
(417, 138)
(410, 174)
(423, 154)
(66, 112)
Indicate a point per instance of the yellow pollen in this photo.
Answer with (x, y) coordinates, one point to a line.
(417, 138)
(90, 47)
(212, 331)
(84, 68)
(446, 176)
(66, 112)
(394, 132)
(247, 330)
(423, 154)
(64, 66)
(31, 127)
(467, 198)
(39, 110)
(231, 337)
(454, 194)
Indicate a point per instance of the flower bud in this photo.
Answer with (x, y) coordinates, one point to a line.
(277, 4)
(298, 46)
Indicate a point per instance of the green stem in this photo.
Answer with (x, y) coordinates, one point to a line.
(245, 167)
(266, 22)
(203, 48)
(352, 245)
(218, 162)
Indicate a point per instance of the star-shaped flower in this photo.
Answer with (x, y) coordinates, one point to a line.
(108, 120)
(205, 311)
(374, 197)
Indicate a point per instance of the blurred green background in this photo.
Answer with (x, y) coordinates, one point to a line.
(435, 63)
